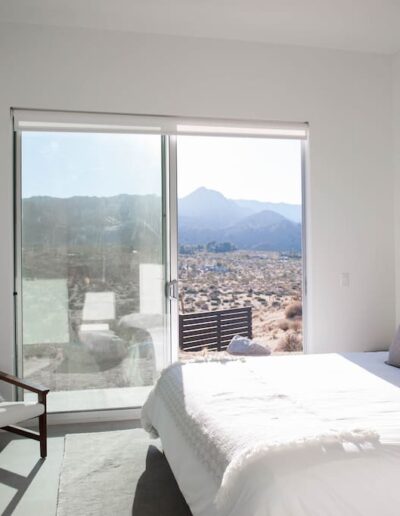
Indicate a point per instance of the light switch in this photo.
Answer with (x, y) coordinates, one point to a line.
(345, 279)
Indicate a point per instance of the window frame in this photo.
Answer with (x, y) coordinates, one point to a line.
(169, 128)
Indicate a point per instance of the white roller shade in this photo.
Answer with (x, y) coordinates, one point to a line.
(27, 120)
(243, 129)
(31, 120)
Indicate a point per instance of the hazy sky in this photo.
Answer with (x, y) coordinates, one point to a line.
(241, 168)
(94, 164)
(67, 164)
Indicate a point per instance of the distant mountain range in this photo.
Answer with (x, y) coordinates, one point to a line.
(289, 211)
(134, 222)
(77, 224)
(207, 215)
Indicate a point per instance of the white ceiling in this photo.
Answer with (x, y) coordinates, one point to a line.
(360, 25)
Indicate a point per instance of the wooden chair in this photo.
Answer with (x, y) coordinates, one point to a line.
(17, 411)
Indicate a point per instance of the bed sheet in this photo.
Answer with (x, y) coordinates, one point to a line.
(353, 390)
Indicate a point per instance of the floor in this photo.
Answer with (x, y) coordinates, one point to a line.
(29, 486)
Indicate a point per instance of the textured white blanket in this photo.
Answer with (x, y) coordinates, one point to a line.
(249, 419)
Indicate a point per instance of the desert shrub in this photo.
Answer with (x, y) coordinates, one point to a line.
(294, 310)
(290, 342)
(295, 325)
(284, 325)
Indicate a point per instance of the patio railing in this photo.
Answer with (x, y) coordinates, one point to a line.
(213, 330)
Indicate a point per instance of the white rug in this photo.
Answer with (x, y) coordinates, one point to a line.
(117, 473)
(100, 472)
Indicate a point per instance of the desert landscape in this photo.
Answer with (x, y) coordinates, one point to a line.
(231, 254)
(269, 282)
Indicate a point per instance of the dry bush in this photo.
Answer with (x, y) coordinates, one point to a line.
(294, 310)
(290, 342)
(296, 325)
(283, 325)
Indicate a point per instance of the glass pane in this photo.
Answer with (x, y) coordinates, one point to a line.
(240, 260)
(92, 266)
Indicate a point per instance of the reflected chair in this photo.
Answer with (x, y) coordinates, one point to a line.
(17, 411)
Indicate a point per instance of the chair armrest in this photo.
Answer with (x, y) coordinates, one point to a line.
(18, 382)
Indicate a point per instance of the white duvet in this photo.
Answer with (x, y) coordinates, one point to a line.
(310, 435)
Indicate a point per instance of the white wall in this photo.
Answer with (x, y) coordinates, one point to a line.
(396, 163)
(346, 98)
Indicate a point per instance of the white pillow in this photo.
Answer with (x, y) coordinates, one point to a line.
(244, 346)
(394, 350)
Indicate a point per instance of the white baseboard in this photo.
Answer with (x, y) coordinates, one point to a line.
(95, 416)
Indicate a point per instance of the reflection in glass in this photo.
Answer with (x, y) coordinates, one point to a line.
(92, 262)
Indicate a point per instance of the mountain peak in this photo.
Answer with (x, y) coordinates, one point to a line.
(206, 215)
(204, 193)
(209, 208)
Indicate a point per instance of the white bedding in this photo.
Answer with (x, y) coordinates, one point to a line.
(310, 435)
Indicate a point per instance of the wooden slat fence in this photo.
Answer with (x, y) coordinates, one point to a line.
(213, 330)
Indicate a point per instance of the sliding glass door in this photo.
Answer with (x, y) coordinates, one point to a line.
(97, 246)
(91, 265)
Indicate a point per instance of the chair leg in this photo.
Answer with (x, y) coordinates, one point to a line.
(43, 435)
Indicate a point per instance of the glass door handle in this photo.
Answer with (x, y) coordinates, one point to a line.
(172, 289)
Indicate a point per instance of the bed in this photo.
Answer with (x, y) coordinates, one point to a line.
(303, 435)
